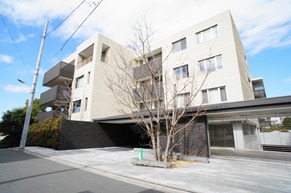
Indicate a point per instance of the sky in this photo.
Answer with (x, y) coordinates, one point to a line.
(264, 27)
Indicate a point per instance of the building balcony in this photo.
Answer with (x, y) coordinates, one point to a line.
(148, 92)
(41, 117)
(259, 94)
(153, 67)
(258, 88)
(55, 97)
(58, 74)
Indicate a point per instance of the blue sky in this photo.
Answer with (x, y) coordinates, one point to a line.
(264, 27)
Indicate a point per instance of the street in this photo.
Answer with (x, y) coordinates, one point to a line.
(25, 173)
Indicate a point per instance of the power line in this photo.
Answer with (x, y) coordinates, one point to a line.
(65, 18)
(96, 5)
(15, 45)
(81, 24)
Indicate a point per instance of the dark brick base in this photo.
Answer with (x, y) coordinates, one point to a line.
(81, 134)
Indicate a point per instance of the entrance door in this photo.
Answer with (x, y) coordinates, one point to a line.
(221, 135)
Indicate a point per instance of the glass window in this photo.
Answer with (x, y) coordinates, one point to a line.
(179, 45)
(86, 104)
(223, 94)
(105, 53)
(207, 34)
(181, 72)
(145, 106)
(88, 77)
(214, 95)
(210, 64)
(77, 106)
(79, 81)
(183, 99)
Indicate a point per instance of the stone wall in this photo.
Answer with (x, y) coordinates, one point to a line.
(81, 134)
(192, 141)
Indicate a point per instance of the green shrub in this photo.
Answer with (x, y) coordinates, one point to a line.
(46, 134)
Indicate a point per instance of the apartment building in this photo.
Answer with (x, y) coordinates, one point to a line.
(83, 77)
(207, 59)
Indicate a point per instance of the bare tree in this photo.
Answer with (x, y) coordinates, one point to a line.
(156, 98)
(65, 94)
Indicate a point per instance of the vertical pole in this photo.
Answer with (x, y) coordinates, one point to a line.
(31, 98)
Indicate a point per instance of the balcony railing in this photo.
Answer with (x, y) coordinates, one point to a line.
(154, 67)
(84, 62)
(58, 74)
(55, 96)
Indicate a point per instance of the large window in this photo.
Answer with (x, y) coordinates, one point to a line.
(79, 81)
(181, 72)
(183, 99)
(76, 106)
(214, 95)
(179, 45)
(207, 34)
(210, 64)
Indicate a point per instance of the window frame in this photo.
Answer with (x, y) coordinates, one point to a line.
(220, 91)
(179, 45)
(180, 73)
(211, 64)
(77, 106)
(182, 99)
(201, 37)
(79, 81)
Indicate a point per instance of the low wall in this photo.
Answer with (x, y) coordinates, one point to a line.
(276, 138)
(81, 134)
(193, 140)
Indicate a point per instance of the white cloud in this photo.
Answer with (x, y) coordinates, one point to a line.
(287, 80)
(6, 58)
(17, 88)
(261, 23)
(23, 38)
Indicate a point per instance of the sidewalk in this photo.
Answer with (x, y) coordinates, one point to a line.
(220, 175)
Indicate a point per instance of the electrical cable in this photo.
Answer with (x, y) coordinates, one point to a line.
(15, 45)
(96, 5)
(65, 18)
(81, 24)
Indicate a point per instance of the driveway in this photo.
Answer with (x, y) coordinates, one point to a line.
(220, 175)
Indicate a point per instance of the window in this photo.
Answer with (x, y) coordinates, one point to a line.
(207, 34)
(79, 81)
(145, 106)
(183, 99)
(86, 104)
(156, 105)
(214, 95)
(181, 72)
(105, 53)
(179, 45)
(76, 106)
(210, 64)
(88, 77)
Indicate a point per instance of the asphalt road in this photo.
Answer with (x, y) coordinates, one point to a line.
(25, 173)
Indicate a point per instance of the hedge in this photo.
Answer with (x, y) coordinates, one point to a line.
(45, 134)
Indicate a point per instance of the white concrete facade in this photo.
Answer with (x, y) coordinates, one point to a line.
(94, 60)
(211, 48)
(233, 75)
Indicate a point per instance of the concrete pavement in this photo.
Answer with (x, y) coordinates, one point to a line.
(220, 175)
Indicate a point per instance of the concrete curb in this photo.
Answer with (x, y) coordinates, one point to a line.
(150, 163)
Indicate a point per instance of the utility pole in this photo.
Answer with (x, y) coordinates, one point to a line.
(31, 98)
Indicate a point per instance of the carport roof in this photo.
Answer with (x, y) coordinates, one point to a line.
(258, 108)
